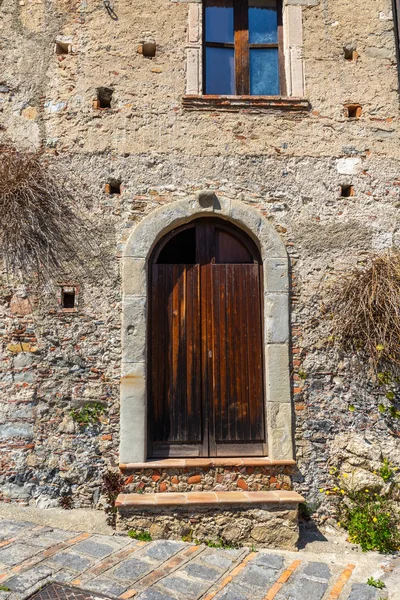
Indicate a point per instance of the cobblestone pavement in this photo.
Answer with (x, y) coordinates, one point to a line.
(116, 566)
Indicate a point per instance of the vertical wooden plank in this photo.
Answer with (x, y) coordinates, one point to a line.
(242, 58)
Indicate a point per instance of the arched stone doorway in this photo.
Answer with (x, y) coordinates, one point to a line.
(205, 343)
(137, 372)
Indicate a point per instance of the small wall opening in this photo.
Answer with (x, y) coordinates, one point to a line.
(113, 187)
(104, 97)
(350, 52)
(346, 191)
(353, 111)
(63, 48)
(68, 297)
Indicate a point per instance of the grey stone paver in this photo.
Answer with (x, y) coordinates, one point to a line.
(131, 569)
(94, 549)
(9, 529)
(152, 594)
(22, 582)
(48, 536)
(362, 591)
(72, 561)
(163, 549)
(16, 553)
(309, 583)
(106, 586)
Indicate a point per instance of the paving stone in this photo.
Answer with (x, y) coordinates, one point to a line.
(22, 582)
(163, 549)
(272, 561)
(63, 576)
(362, 591)
(235, 591)
(48, 537)
(131, 569)
(73, 561)
(197, 570)
(303, 589)
(217, 560)
(254, 575)
(190, 588)
(10, 529)
(17, 553)
(316, 569)
(93, 548)
(106, 586)
(152, 594)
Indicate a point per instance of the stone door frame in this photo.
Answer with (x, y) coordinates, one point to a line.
(138, 249)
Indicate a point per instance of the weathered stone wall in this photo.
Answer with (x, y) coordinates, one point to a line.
(290, 167)
(268, 525)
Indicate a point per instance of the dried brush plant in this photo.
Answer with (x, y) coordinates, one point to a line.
(365, 309)
(43, 231)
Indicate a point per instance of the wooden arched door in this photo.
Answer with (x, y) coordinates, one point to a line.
(206, 392)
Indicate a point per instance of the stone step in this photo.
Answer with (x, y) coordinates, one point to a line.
(207, 498)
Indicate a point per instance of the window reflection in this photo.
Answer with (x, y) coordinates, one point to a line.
(264, 72)
(263, 22)
(219, 22)
(220, 71)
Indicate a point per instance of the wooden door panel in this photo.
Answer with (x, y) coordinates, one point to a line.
(175, 417)
(238, 396)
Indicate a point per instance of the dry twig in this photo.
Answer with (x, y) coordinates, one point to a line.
(365, 308)
(42, 229)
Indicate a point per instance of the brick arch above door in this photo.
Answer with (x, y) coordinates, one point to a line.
(138, 249)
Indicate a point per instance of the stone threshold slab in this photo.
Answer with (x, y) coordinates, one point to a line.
(201, 498)
(181, 463)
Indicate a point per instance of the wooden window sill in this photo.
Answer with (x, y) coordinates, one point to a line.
(273, 104)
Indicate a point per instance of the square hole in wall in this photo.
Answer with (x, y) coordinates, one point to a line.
(353, 111)
(350, 53)
(113, 187)
(68, 297)
(104, 97)
(62, 48)
(346, 191)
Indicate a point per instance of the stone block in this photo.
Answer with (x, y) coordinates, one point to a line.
(277, 373)
(11, 430)
(134, 277)
(276, 275)
(133, 413)
(134, 330)
(276, 318)
(280, 437)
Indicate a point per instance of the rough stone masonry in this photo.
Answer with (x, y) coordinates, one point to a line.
(289, 165)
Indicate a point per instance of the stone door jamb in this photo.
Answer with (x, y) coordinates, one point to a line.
(138, 249)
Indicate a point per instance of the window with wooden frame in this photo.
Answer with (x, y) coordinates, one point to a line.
(243, 48)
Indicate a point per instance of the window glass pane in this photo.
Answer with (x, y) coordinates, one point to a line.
(220, 71)
(219, 21)
(264, 72)
(263, 22)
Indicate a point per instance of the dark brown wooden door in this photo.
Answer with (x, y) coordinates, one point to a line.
(206, 350)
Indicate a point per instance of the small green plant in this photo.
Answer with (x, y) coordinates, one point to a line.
(88, 414)
(302, 374)
(4, 588)
(142, 536)
(188, 537)
(219, 543)
(386, 472)
(370, 519)
(376, 583)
